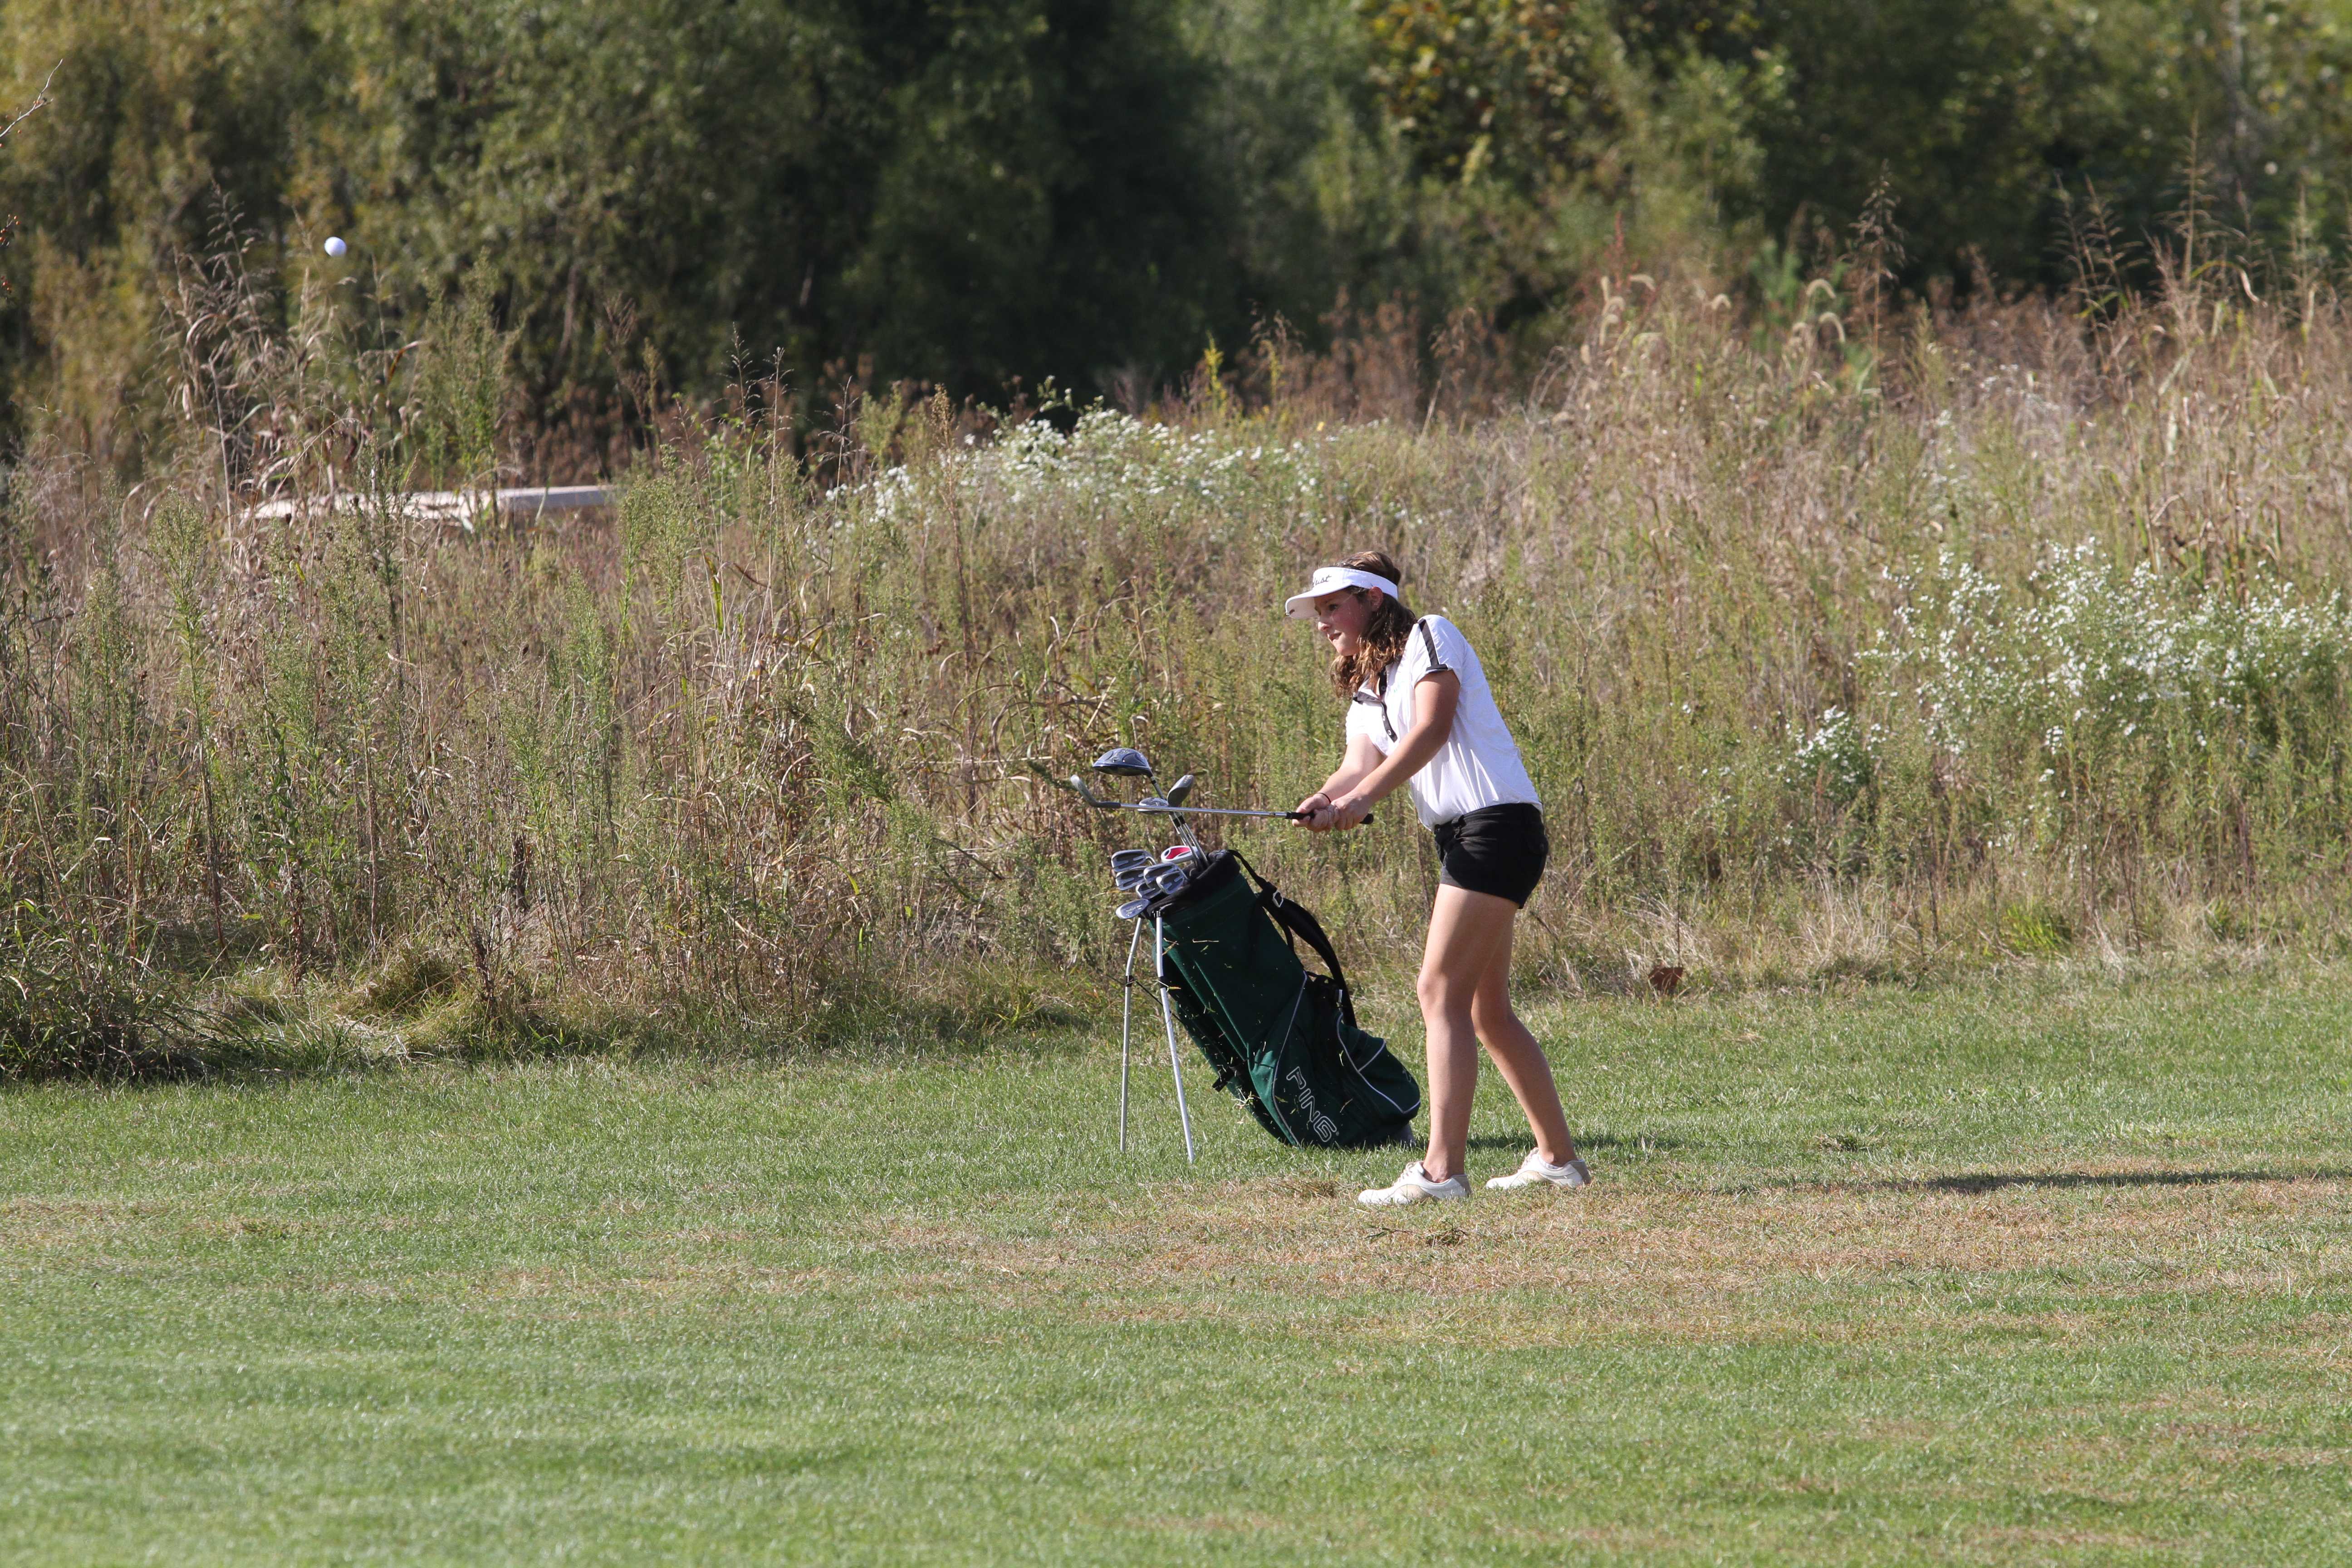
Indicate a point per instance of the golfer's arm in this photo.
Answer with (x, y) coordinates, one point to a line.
(1362, 758)
(1433, 700)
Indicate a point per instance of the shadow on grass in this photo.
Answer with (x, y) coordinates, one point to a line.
(245, 1038)
(1988, 1183)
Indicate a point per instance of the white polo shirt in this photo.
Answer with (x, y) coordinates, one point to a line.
(1479, 763)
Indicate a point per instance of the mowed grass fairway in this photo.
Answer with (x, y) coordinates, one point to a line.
(2042, 1271)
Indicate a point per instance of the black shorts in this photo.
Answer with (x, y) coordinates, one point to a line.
(1498, 849)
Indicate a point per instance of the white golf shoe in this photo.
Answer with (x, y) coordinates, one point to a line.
(1411, 1186)
(1533, 1172)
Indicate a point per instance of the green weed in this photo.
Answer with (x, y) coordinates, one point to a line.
(2028, 641)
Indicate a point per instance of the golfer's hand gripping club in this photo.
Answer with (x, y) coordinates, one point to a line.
(1336, 815)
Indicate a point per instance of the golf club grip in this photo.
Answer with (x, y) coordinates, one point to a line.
(1302, 816)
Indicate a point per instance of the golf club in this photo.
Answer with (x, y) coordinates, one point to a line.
(1176, 797)
(1156, 881)
(1161, 808)
(1127, 867)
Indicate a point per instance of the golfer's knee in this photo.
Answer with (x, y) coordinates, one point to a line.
(1442, 996)
(1492, 1017)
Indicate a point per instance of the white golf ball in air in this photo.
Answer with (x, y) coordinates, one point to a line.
(335, 246)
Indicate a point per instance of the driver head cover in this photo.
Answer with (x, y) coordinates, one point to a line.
(1126, 760)
(1330, 580)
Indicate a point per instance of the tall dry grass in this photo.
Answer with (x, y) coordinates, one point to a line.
(1873, 644)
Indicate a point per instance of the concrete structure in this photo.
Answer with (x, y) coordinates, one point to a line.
(459, 509)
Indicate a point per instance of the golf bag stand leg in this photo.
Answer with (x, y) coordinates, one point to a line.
(1168, 1018)
(1126, 1027)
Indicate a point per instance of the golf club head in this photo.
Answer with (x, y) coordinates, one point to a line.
(1130, 856)
(1132, 910)
(1178, 791)
(1166, 879)
(1153, 803)
(1124, 762)
(1176, 852)
(1129, 878)
(1089, 797)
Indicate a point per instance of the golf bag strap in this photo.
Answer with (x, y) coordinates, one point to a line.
(1300, 924)
(1300, 921)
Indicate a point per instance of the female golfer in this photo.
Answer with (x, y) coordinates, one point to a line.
(1420, 715)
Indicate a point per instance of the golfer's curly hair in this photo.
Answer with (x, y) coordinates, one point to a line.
(1384, 633)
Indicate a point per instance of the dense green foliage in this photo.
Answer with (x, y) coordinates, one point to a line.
(968, 193)
(965, 193)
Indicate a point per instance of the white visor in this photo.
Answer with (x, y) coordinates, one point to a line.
(1330, 580)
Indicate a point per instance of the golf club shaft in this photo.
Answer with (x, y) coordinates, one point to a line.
(1208, 811)
(1078, 786)
(1205, 811)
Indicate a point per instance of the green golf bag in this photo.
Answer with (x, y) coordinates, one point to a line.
(1283, 1040)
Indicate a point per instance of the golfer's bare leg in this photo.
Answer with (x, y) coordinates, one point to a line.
(1465, 932)
(1517, 1055)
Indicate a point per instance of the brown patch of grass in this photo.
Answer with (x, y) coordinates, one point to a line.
(2036, 1535)
(40, 1224)
(1853, 1262)
(1686, 1263)
(1205, 1524)
(90, 1207)
(263, 1226)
